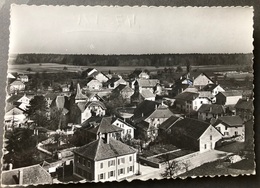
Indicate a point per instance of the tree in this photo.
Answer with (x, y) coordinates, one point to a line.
(188, 67)
(29, 70)
(179, 69)
(37, 111)
(171, 167)
(72, 88)
(21, 144)
(65, 68)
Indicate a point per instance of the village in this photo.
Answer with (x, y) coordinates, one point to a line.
(112, 126)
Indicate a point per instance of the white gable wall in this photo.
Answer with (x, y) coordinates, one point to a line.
(209, 138)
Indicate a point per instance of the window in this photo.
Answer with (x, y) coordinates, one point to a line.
(118, 162)
(84, 162)
(121, 171)
(89, 164)
(111, 174)
(226, 133)
(130, 158)
(210, 137)
(122, 160)
(101, 176)
(131, 168)
(205, 146)
(101, 165)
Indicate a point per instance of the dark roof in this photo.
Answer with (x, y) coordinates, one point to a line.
(143, 125)
(145, 108)
(100, 150)
(60, 102)
(169, 122)
(212, 108)
(209, 87)
(32, 175)
(230, 121)
(100, 125)
(187, 96)
(51, 95)
(189, 127)
(231, 93)
(119, 88)
(246, 104)
(14, 98)
(112, 80)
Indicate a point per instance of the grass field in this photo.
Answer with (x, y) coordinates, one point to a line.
(54, 68)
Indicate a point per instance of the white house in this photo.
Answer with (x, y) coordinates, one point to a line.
(105, 159)
(93, 84)
(230, 126)
(23, 78)
(17, 85)
(228, 97)
(202, 80)
(100, 77)
(89, 109)
(128, 130)
(14, 117)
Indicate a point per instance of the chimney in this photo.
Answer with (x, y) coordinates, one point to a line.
(10, 166)
(107, 138)
(210, 109)
(20, 176)
(216, 82)
(142, 114)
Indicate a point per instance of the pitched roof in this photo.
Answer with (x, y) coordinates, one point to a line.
(80, 95)
(205, 94)
(146, 93)
(189, 127)
(31, 175)
(17, 82)
(187, 96)
(100, 125)
(145, 108)
(99, 150)
(231, 93)
(212, 108)
(209, 87)
(246, 104)
(96, 103)
(119, 88)
(122, 121)
(14, 98)
(147, 82)
(161, 112)
(169, 122)
(143, 125)
(231, 121)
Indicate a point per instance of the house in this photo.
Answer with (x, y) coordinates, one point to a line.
(202, 80)
(100, 76)
(105, 159)
(95, 127)
(165, 127)
(23, 78)
(230, 126)
(245, 109)
(139, 74)
(194, 134)
(208, 111)
(30, 175)
(93, 84)
(190, 102)
(14, 117)
(114, 82)
(17, 85)
(228, 97)
(92, 108)
(145, 84)
(138, 97)
(21, 101)
(148, 116)
(10, 76)
(213, 88)
(65, 87)
(80, 97)
(124, 91)
(94, 97)
(128, 130)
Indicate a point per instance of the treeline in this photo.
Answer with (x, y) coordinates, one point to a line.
(136, 60)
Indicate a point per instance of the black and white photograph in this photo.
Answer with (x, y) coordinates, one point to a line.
(114, 93)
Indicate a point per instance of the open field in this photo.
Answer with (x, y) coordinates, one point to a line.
(55, 67)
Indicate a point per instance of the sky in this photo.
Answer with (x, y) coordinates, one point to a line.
(130, 30)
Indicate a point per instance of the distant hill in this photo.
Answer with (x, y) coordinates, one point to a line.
(136, 60)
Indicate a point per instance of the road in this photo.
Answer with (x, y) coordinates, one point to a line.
(155, 173)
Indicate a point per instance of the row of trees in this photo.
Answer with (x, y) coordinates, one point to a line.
(137, 60)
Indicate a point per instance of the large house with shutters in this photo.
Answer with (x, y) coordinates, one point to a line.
(245, 108)
(209, 111)
(105, 159)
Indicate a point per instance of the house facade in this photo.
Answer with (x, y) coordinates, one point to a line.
(228, 97)
(208, 111)
(17, 85)
(128, 130)
(245, 109)
(105, 159)
(230, 126)
(94, 108)
(194, 134)
(202, 80)
(93, 84)
(101, 77)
